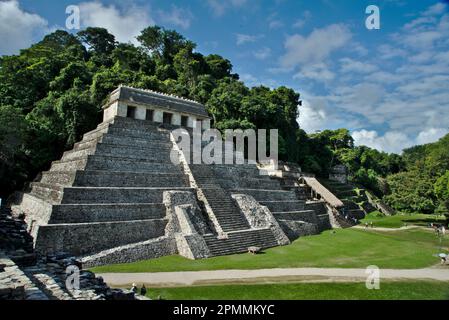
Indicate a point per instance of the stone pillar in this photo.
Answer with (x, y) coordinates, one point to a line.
(141, 113)
(196, 123)
(190, 122)
(176, 119)
(206, 124)
(122, 109)
(158, 116)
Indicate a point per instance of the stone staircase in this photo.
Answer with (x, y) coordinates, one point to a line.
(351, 199)
(287, 205)
(105, 192)
(240, 241)
(228, 215)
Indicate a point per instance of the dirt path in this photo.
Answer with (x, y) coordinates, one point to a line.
(186, 278)
(390, 229)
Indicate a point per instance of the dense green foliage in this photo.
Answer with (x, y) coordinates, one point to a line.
(52, 92)
(423, 186)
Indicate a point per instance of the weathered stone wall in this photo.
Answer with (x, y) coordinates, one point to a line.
(318, 206)
(15, 285)
(186, 224)
(37, 212)
(85, 238)
(260, 216)
(150, 249)
(295, 229)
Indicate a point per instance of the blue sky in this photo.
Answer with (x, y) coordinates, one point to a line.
(390, 87)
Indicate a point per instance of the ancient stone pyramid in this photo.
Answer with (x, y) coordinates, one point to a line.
(117, 197)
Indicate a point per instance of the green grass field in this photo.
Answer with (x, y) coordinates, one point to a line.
(346, 248)
(431, 290)
(401, 220)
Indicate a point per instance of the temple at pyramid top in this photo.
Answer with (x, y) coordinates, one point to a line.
(154, 106)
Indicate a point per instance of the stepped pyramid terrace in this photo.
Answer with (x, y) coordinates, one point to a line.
(117, 196)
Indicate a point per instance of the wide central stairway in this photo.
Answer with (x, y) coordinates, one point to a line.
(219, 182)
(107, 193)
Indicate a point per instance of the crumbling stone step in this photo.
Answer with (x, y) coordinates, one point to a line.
(78, 153)
(69, 165)
(47, 191)
(89, 238)
(92, 178)
(82, 213)
(155, 152)
(15, 284)
(54, 290)
(63, 178)
(147, 141)
(97, 162)
(91, 195)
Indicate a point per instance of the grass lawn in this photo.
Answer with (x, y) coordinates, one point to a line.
(346, 248)
(400, 220)
(431, 290)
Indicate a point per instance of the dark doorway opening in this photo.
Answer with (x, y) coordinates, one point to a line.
(131, 112)
(149, 115)
(167, 118)
(184, 121)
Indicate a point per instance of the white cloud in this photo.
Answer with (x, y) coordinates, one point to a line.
(395, 141)
(349, 65)
(391, 142)
(318, 72)
(124, 24)
(436, 9)
(18, 28)
(299, 23)
(178, 17)
(275, 24)
(219, 7)
(246, 38)
(431, 135)
(315, 47)
(310, 119)
(262, 53)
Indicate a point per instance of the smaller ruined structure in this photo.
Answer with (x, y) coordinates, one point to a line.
(339, 173)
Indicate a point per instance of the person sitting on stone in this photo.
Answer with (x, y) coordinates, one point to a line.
(143, 290)
(134, 288)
